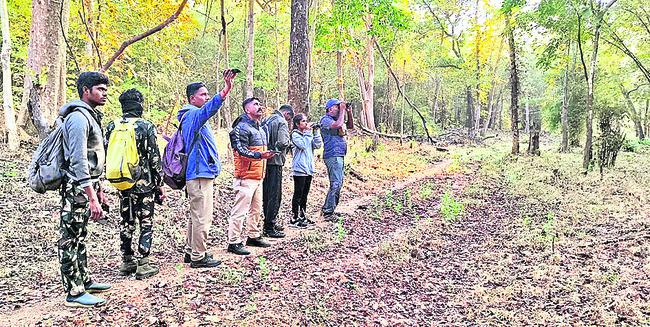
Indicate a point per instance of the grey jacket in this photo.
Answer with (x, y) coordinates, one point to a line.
(278, 131)
(83, 143)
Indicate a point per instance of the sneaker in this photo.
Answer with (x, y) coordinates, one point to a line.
(309, 222)
(274, 233)
(238, 249)
(84, 300)
(298, 224)
(94, 287)
(187, 258)
(206, 262)
(331, 217)
(145, 269)
(128, 266)
(258, 242)
(278, 227)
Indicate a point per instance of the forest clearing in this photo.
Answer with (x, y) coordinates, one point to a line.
(482, 238)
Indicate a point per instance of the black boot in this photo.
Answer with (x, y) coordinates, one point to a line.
(273, 233)
(258, 242)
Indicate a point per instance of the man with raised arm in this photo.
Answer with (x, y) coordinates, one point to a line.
(203, 167)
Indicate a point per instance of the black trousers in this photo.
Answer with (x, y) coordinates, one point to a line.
(271, 195)
(301, 185)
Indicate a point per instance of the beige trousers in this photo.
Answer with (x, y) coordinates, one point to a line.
(248, 207)
(200, 192)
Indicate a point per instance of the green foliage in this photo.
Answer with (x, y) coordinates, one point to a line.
(264, 269)
(450, 208)
(635, 145)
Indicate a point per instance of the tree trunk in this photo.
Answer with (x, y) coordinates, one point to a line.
(533, 143)
(7, 92)
(278, 74)
(370, 83)
(443, 114)
(527, 112)
(34, 106)
(564, 147)
(435, 100)
(298, 89)
(251, 49)
(470, 109)
(226, 63)
(514, 87)
(339, 74)
(46, 58)
(312, 38)
(638, 125)
(587, 155)
(477, 108)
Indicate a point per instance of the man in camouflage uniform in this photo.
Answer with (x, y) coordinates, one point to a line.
(82, 196)
(137, 203)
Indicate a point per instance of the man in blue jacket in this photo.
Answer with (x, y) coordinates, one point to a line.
(203, 167)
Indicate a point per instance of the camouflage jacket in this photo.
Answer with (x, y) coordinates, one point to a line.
(150, 160)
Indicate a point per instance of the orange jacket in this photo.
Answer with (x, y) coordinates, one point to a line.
(248, 141)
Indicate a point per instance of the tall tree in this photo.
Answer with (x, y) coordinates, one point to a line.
(597, 11)
(46, 62)
(298, 86)
(7, 93)
(507, 9)
(251, 48)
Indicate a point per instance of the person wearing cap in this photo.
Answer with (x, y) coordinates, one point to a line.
(137, 202)
(333, 130)
(277, 128)
(203, 167)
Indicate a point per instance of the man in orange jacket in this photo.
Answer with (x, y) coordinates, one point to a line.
(249, 143)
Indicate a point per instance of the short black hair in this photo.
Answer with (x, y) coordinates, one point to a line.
(193, 88)
(247, 101)
(131, 95)
(90, 79)
(286, 107)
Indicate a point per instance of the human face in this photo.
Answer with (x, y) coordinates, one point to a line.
(254, 110)
(334, 110)
(287, 115)
(96, 96)
(200, 97)
(302, 125)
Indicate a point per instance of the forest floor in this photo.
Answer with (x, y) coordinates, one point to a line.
(467, 237)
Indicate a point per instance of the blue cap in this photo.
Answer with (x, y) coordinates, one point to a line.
(331, 102)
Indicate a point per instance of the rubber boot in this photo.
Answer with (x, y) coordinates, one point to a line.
(145, 269)
(128, 266)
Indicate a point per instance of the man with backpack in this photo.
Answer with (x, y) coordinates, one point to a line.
(249, 142)
(82, 196)
(137, 197)
(203, 167)
(277, 128)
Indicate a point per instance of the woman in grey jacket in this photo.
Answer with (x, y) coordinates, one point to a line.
(304, 143)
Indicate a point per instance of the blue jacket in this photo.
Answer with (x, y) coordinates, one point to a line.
(303, 151)
(335, 145)
(203, 160)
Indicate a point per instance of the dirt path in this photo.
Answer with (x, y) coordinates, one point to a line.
(130, 293)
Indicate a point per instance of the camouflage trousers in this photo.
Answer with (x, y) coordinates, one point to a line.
(75, 212)
(136, 206)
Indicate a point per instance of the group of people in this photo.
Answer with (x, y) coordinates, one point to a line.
(260, 147)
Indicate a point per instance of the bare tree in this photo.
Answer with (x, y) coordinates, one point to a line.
(251, 48)
(514, 86)
(7, 101)
(298, 88)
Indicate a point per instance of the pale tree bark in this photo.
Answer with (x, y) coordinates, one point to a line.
(491, 102)
(46, 60)
(339, 75)
(7, 93)
(638, 124)
(435, 99)
(527, 121)
(369, 102)
(312, 38)
(477, 112)
(514, 87)
(564, 116)
(251, 48)
(226, 63)
(278, 75)
(298, 88)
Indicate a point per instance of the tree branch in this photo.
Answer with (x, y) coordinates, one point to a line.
(582, 55)
(90, 34)
(137, 38)
(65, 38)
(399, 88)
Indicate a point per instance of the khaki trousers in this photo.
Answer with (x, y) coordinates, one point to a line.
(200, 192)
(248, 207)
